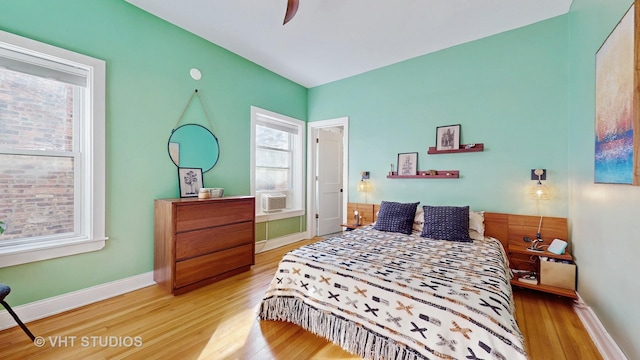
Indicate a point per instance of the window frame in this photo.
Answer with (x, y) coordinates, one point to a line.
(89, 174)
(297, 176)
(289, 153)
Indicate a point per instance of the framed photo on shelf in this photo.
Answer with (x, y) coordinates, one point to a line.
(190, 181)
(448, 137)
(408, 163)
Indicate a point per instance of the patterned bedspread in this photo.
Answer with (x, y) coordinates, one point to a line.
(387, 295)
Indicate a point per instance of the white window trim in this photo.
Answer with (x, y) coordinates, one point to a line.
(93, 205)
(299, 173)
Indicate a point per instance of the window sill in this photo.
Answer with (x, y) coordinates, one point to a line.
(44, 250)
(284, 214)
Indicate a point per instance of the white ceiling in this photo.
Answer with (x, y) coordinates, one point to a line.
(330, 40)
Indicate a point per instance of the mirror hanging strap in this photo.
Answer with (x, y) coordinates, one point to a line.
(196, 94)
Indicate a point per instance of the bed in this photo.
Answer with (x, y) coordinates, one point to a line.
(398, 289)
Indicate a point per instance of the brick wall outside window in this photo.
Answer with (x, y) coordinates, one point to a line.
(36, 192)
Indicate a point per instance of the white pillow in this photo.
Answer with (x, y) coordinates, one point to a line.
(476, 221)
(418, 220)
(475, 235)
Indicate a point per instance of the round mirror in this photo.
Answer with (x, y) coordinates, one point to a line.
(194, 146)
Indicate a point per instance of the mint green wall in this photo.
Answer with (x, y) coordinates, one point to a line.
(261, 231)
(148, 85)
(282, 227)
(279, 228)
(604, 218)
(508, 91)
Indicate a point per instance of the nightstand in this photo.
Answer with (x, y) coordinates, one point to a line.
(553, 277)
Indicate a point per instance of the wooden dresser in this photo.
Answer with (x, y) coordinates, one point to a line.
(201, 241)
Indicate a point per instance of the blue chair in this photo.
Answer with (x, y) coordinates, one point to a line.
(4, 291)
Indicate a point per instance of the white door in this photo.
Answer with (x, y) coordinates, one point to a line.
(329, 180)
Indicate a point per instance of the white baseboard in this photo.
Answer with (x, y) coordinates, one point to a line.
(271, 244)
(600, 336)
(57, 304)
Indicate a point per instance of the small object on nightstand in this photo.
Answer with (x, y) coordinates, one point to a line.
(557, 246)
(535, 244)
(350, 227)
(528, 278)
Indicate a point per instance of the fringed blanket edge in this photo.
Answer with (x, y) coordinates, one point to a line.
(350, 336)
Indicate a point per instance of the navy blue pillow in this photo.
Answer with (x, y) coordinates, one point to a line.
(446, 223)
(396, 217)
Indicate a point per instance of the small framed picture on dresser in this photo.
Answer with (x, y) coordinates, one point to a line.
(190, 181)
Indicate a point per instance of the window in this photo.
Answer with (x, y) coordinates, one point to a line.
(51, 151)
(277, 160)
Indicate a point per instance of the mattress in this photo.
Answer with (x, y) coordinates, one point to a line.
(387, 295)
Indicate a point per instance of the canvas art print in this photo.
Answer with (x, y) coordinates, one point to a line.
(614, 162)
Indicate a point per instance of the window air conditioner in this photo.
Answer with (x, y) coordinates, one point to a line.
(274, 202)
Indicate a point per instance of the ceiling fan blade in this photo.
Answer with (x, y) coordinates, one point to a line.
(292, 8)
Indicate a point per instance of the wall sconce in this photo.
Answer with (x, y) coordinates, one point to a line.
(539, 191)
(363, 185)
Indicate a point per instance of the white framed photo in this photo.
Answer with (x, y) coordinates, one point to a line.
(190, 181)
(408, 163)
(448, 137)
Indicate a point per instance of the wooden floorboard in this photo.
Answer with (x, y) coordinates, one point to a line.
(219, 322)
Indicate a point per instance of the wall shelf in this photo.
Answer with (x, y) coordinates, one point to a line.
(440, 174)
(463, 148)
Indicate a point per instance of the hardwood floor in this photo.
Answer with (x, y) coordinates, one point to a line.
(219, 322)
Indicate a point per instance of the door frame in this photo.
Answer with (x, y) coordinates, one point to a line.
(343, 123)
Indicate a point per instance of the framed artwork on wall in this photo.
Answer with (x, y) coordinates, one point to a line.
(617, 104)
(408, 163)
(190, 181)
(448, 137)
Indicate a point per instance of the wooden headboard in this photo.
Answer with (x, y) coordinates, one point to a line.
(367, 211)
(510, 229)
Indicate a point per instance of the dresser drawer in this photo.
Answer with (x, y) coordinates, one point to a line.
(193, 270)
(198, 242)
(213, 212)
